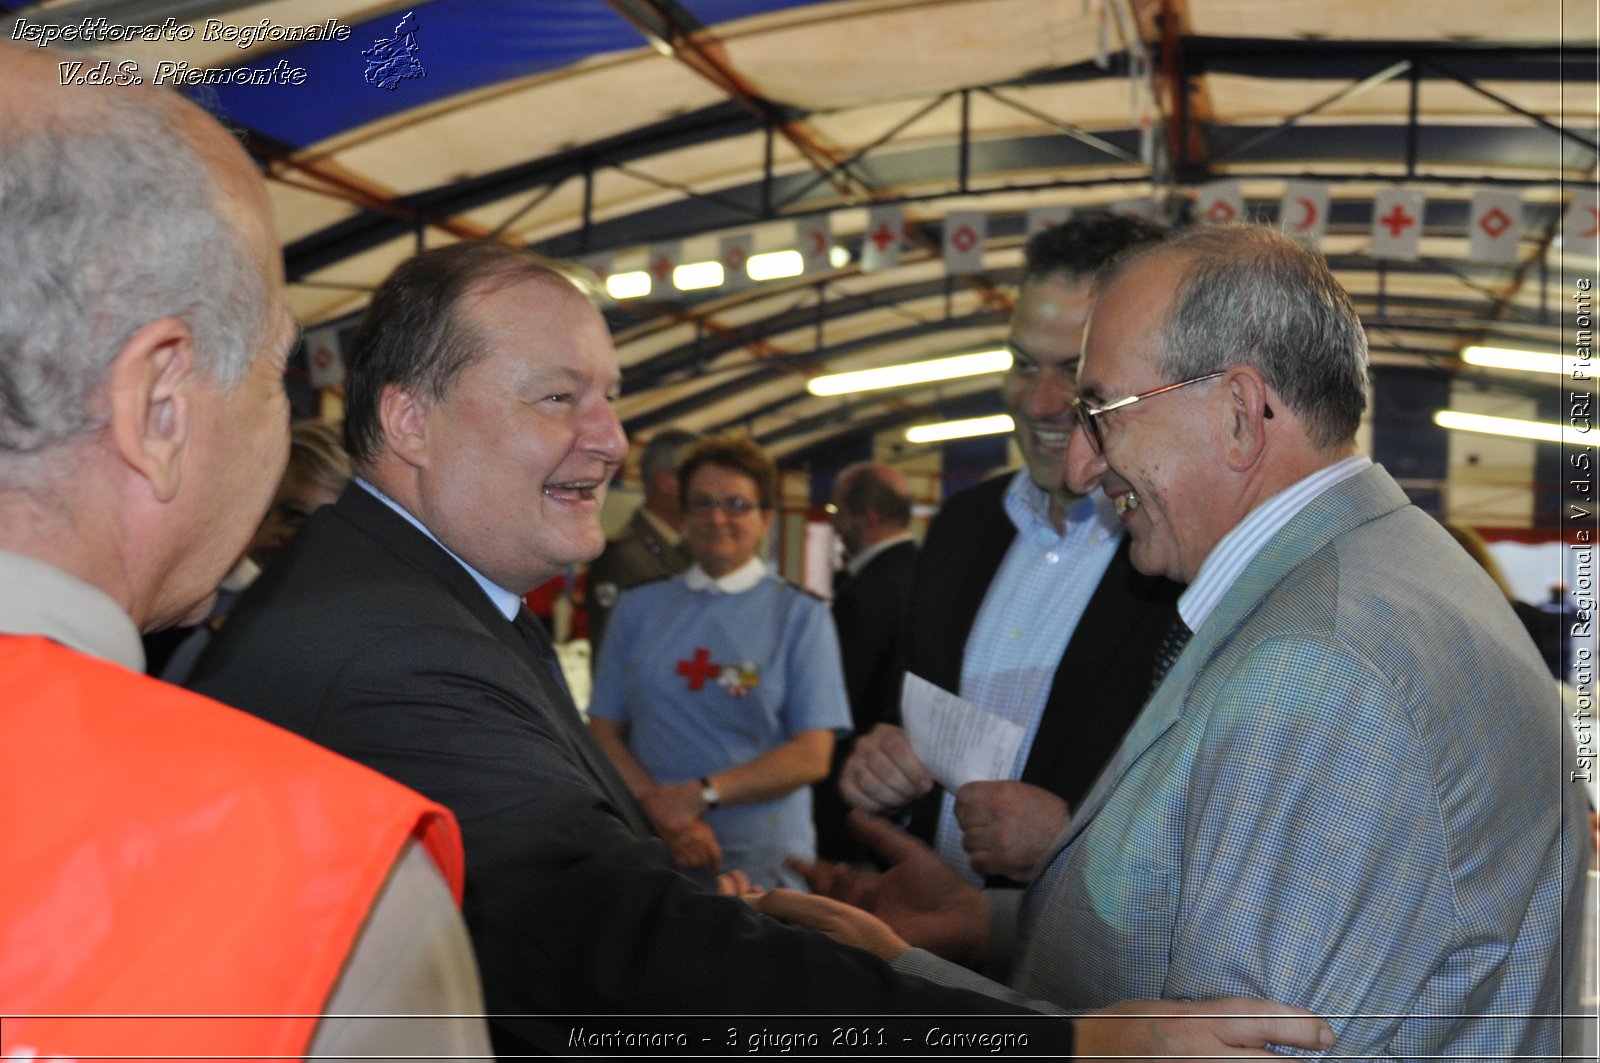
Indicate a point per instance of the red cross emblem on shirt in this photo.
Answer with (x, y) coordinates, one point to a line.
(699, 669)
(1397, 221)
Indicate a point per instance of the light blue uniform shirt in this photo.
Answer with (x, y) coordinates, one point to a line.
(1032, 607)
(710, 674)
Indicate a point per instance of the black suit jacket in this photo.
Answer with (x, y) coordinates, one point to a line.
(369, 639)
(869, 612)
(1104, 675)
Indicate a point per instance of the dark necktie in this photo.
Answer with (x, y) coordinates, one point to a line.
(534, 635)
(1172, 644)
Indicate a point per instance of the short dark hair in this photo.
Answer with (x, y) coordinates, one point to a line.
(413, 334)
(863, 490)
(1249, 295)
(736, 451)
(1085, 243)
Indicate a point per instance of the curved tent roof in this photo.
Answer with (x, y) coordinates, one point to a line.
(616, 129)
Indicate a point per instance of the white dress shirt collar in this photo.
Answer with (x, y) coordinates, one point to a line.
(507, 602)
(1228, 559)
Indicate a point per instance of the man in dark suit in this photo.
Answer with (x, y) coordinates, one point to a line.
(871, 511)
(650, 546)
(480, 425)
(1025, 601)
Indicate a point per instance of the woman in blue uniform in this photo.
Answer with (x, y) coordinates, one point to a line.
(719, 693)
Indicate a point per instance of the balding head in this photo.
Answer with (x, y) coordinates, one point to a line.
(140, 295)
(871, 503)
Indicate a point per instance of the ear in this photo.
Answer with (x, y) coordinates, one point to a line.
(1248, 403)
(404, 417)
(153, 396)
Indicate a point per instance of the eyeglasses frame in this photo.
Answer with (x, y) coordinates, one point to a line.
(1087, 414)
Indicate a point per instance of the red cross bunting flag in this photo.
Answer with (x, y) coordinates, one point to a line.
(882, 242)
(734, 254)
(1041, 218)
(814, 241)
(324, 357)
(659, 262)
(1303, 214)
(1495, 226)
(1580, 230)
(1219, 203)
(965, 232)
(1397, 223)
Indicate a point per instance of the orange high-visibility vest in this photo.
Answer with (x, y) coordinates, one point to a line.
(178, 878)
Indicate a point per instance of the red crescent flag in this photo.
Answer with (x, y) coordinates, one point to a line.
(814, 240)
(1303, 214)
(1580, 229)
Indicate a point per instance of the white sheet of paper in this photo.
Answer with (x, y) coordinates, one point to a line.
(958, 741)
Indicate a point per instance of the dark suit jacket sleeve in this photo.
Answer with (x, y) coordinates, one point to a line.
(571, 910)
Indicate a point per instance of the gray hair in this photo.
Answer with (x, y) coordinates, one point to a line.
(109, 220)
(665, 449)
(1252, 296)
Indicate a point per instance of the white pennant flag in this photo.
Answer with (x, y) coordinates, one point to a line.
(1397, 223)
(1219, 203)
(814, 241)
(1303, 214)
(1041, 218)
(660, 261)
(1495, 227)
(325, 358)
(734, 254)
(882, 242)
(1580, 230)
(965, 232)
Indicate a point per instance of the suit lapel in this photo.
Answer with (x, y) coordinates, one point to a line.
(1366, 496)
(365, 511)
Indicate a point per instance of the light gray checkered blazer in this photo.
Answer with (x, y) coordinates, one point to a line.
(1349, 794)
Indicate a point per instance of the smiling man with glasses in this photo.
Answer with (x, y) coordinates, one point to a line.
(1350, 792)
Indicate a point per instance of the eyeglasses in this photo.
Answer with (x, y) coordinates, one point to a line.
(733, 505)
(1087, 414)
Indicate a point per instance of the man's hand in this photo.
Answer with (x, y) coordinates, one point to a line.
(843, 923)
(852, 885)
(883, 773)
(736, 883)
(672, 808)
(1233, 1028)
(920, 897)
(693, 846)
(1007, 827)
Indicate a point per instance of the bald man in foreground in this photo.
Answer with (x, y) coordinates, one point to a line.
(181, 880)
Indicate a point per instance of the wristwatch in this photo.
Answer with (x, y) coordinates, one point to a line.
(708, 793)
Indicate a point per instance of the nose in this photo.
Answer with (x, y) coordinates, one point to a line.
(603, 435)
(1086, 467)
